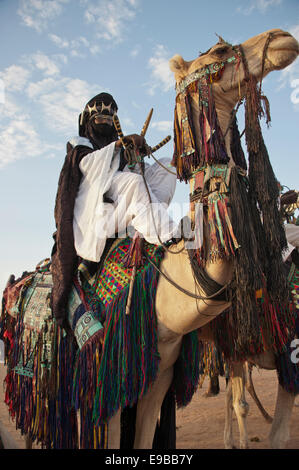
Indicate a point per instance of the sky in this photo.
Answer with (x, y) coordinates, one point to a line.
(57, 54)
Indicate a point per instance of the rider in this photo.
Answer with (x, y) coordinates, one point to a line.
(99, 196)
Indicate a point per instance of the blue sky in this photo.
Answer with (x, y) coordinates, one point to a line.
(57, 54)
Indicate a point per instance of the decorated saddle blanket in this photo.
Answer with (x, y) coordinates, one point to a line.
(113, 361)
(95, 293)
(129, 356)
(27, 301)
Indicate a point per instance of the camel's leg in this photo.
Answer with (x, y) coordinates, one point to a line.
(251, 390)
(148, 410)
(28, 442)
(240, 405)
(279, 433)
(114, 431)
(214, 387)
(228, 426)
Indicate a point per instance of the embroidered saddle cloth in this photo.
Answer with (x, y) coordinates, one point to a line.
(91, 295)
(28, 301)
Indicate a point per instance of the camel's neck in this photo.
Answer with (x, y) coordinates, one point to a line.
(178, 311)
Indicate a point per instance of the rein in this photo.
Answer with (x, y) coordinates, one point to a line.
(177, 286)
(190, 294)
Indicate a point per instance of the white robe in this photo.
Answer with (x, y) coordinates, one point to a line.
(292, 235)
(94, 221)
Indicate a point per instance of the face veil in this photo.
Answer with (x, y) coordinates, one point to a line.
(99, 135)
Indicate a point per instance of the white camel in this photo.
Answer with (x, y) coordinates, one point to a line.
(178, 313)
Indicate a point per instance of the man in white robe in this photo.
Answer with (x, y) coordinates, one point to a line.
(99, 196)
(95, 220)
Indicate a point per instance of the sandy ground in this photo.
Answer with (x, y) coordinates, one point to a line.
(201, 424)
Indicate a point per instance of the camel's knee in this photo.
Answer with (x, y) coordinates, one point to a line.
(241, 408)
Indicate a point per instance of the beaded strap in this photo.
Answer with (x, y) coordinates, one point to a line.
(206, 70)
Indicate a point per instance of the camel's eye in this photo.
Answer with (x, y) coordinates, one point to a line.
(221, 50)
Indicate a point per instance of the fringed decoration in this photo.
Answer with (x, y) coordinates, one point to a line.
(236, 146)
(248, 272)
(191, 151)
(134, 259)
(135, 256)
(264, 189)
(130, 357)
(89, 333)
(270, 332)
(223, 242)
(39, 379)
(211, 361)
(187, 370)
(41, 412)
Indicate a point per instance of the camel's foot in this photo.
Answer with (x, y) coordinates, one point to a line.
(209, 393)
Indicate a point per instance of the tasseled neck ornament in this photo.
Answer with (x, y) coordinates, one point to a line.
(202, 160)
(191, 153)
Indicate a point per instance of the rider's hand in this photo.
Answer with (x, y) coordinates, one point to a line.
(139, 142)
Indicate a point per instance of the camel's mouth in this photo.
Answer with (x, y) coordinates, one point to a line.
(283, 51)
(290, 46)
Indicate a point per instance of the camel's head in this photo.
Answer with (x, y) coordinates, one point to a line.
(276, 48)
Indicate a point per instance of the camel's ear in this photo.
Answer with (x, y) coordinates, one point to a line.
(220, 39)
(177, 64)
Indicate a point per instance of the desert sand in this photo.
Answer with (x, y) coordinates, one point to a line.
(200, 425)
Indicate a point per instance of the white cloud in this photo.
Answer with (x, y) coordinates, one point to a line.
(45, 64)
(19, 140)
(110, 17)
(94, 49)
(57, 99)
(74, 45)
(127, 122)
(161, 75)
(36, 14)
(11, 108)
(163, 126)
(15, 77)
(61, 100)
(260, 5)
(18, 136)
(60, 42)
(135, 51)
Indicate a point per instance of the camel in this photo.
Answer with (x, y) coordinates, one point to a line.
(238, 383)
(177, 313)
(183, 305)
(236, 401)
(241, 374)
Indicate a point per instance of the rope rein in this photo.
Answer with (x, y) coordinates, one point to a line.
(185, 291)
(171, 281)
